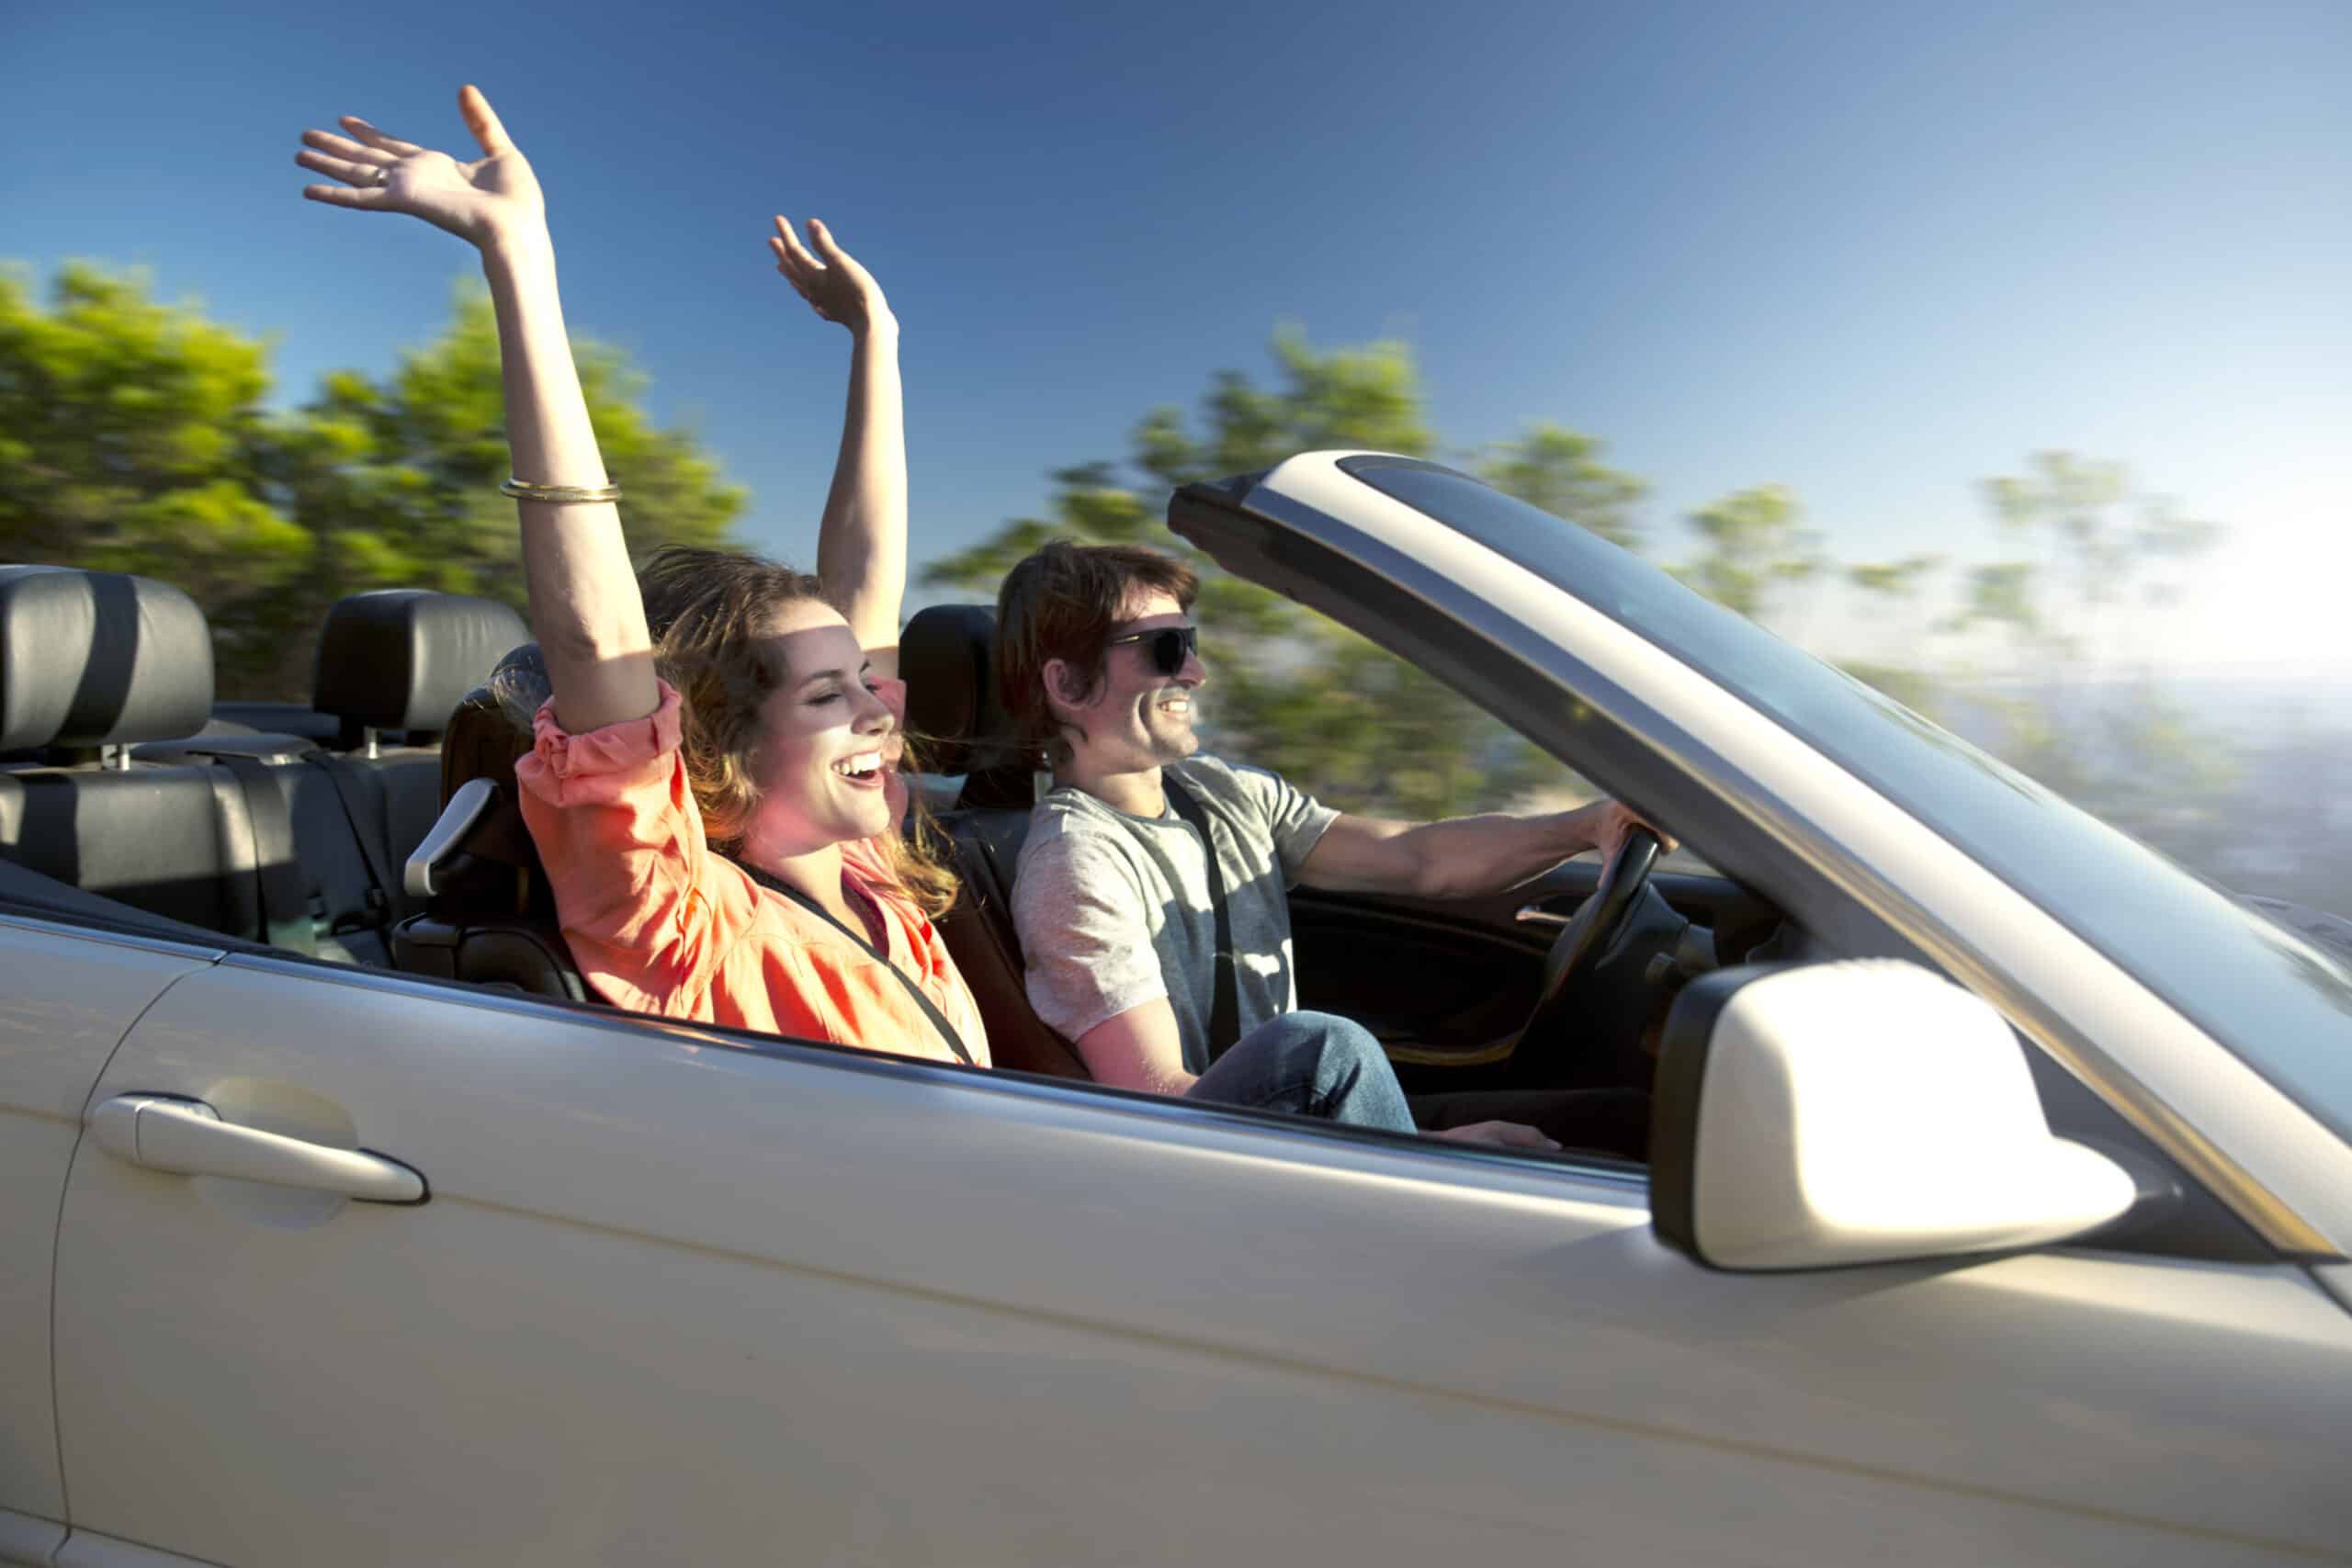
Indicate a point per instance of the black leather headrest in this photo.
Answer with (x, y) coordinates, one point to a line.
(98, 659)
(947, 657)
(402, 658)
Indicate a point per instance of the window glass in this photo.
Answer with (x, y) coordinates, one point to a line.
(2283, 1004)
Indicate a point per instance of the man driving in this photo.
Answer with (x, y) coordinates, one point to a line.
(1148, 863)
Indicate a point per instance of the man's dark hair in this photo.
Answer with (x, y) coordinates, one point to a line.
(1063, 602)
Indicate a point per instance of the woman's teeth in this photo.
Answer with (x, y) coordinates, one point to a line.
(860, 766)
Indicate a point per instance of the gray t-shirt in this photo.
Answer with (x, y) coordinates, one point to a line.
(1113, 910)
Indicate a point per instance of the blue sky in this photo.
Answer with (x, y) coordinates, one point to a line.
(1871, 251)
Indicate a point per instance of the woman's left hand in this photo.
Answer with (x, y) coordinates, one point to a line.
(831, 280)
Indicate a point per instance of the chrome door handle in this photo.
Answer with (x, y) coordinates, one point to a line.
(187, 1137)
(1537, 915)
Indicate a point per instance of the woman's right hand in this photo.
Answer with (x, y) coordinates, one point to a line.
(491, 201)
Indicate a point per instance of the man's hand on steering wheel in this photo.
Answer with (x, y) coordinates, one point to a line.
(1610, 821)
(1594, 929)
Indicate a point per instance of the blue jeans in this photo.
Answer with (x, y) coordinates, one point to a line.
(1309, 1064)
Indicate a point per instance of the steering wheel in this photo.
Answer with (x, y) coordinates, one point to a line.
(1591, 931)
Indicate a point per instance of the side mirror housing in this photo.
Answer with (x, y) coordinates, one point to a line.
(1860, 1111)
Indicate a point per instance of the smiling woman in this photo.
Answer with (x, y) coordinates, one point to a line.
(780, 712)
(712, 787)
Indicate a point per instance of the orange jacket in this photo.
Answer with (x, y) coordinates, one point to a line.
(659, 924)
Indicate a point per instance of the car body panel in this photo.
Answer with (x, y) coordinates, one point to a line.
(27, 1538)
(66, 1000)
(1849, 859)
(676, 1298)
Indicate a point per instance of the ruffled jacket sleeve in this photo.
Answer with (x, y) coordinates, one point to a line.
(648, 911)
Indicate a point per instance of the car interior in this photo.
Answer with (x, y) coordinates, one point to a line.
(378, 826)
(126, 796)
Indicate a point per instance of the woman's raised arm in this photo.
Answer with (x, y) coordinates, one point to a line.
(862, 543)
(585, 608)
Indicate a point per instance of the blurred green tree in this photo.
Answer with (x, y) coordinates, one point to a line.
(1889, 589)
(134, 436)
(1561, 471)
(1751, 549)
(1290, 690)
(396, 480)
(2079, 711)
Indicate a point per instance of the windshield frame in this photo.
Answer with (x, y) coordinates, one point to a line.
(1847, 865)
(1908, 746)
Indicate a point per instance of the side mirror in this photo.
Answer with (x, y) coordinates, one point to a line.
(1860, 1111)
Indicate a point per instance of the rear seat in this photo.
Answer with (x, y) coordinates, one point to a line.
(397, 660)
(946, 657)
(92, 663)
(258, 837)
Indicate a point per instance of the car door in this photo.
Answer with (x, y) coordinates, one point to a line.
(67, 995)
(672, 1297)
(1447, 984)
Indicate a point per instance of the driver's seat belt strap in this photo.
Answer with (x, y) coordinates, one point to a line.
(1224, 1016)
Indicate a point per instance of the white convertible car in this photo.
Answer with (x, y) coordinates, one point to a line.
(1997, 1206)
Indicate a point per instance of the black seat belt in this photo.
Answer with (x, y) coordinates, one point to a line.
(931, 1010)
(1225, 1017)
(384, 894)
(285, 910)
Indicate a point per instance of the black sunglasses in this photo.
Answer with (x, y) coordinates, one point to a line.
(1167, 644)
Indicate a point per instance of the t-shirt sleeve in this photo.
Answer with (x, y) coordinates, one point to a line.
(1295, 820)
(1079, 908)
(647, 910)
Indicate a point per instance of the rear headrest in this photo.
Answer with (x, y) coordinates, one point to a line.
(98, 659)
(492, 727)
(946, 656)
(402, 658)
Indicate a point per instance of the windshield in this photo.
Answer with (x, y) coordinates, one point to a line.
(2283, 1005)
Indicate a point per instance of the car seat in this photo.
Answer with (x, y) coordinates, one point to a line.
(489, 913)
(388, 661)
(946, 655)
(91, 665)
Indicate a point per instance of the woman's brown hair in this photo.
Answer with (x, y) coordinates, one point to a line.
(709, 611)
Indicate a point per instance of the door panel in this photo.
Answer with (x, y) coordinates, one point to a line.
(65, 1001)
(677, 1300)
(27, 1540)
(1461, 975)
(1414, 974)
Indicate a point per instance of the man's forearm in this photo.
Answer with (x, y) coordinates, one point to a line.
(1469, 857)
(1139, 1049)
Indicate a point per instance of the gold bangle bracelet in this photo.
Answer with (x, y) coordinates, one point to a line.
(521, 490)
